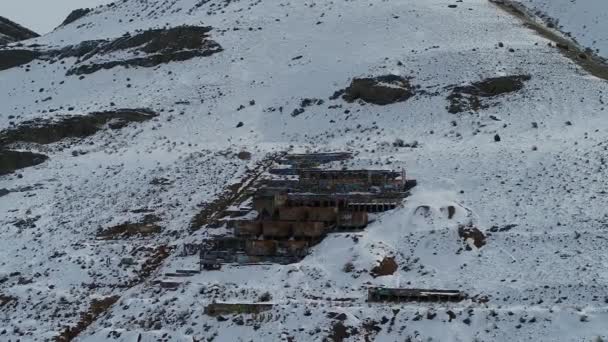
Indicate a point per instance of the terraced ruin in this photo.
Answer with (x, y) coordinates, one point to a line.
(288, 216)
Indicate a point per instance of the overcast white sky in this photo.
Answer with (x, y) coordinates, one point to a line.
(42, 16)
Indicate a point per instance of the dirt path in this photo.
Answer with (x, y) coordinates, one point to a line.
(585, 59)
(233, 194)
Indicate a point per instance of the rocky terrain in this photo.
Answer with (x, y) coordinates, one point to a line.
(124, 132)
(11, 32)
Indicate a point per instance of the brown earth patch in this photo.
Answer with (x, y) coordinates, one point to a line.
(97, 308)
(234, 193)
(387, 266)
(145, 228)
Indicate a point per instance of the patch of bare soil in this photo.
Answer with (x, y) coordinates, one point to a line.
(387, 266)
(470, 97)
(97, 308)
(380, 90)
(471, 233)
(158, 256)
(147, 227)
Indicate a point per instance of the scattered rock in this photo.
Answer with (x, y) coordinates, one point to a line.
(244, 155)
(505, 228)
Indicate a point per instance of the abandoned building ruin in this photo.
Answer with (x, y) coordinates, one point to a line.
(302, 203)
(293, 209)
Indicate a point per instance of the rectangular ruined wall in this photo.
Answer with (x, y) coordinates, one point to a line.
(327, 214)
(247, 228)
(293, 213)
(308, 229)
(353, 219)
(279, 229)
(261, 247)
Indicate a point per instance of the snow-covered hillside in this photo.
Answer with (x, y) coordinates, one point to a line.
(584, 20)
(526, 165)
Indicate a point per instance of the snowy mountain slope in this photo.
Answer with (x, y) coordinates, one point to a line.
(585, 21)
(11, 32)
(545, 278)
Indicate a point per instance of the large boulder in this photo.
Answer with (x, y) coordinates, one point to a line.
(380, 90)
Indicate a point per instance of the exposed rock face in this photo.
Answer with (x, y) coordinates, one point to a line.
(11, 32)
(387, 266)
(146, 49)
(13, 58)
(75, 15)
(161, 46)
(46, 131)
(15, 160)
(380, 90)
(465, 98)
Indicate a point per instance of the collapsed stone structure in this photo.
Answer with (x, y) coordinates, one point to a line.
(302, 204)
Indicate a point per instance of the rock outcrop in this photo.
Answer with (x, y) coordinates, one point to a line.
(11, 161)
(46, 131)
(469, 97)
(11, 32)
(380, 90)
(75, 15)
(144, 49)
